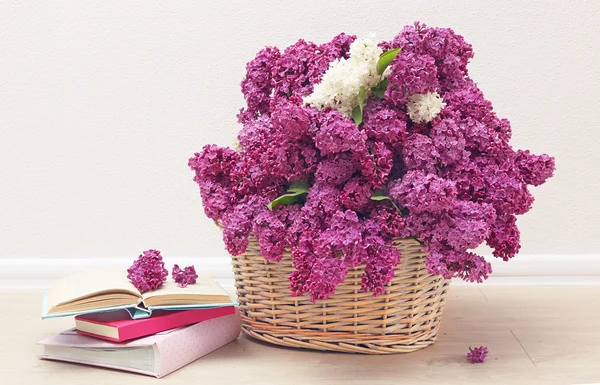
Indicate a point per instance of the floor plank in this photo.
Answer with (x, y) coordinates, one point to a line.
(536, 335)
(558, 349)
(532, 308)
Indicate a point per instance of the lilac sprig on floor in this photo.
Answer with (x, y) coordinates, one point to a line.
(148, 272)
(477, 355)
(184, 277)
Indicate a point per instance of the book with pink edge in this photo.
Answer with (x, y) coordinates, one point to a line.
(117, 326)
(156, 355)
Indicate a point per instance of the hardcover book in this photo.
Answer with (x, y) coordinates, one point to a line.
(117, 326)
(156, 355)
(108, 289)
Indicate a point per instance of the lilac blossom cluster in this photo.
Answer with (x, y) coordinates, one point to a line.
(184, 277)
(454, 180)
(148, 272)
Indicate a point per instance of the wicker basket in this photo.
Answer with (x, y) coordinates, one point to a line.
(403, 319)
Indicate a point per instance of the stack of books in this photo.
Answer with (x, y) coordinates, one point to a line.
(154, 333)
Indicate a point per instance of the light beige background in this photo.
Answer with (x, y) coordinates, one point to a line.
(103, 102)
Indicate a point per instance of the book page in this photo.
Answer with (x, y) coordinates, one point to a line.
(89, 283)
(204, 287)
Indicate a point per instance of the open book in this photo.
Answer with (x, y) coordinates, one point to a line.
(109, 289)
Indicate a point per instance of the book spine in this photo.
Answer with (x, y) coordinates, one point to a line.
(184, 346)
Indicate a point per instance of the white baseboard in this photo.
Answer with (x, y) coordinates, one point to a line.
(576, 269)
(39, 273)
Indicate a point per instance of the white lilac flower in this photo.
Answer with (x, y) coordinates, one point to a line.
(340, 84)
(423, 108)
(236, 145)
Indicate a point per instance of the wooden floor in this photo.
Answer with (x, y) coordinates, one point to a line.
(535, 334)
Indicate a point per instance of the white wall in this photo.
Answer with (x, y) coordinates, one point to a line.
(103, 102)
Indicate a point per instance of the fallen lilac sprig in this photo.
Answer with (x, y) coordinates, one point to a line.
(477, 355)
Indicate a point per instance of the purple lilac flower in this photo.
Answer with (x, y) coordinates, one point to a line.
(535, 169)
(424, 193)
(213, 168)
(237, 222)
(344, 236)
(477, 355)
(448, 142)
(420, 153)
(270, 231)
(412, 73)
(377, 164)
(291, 121)
(184, 277)
(302, 64)
(449, 263)
(386, 221)
(258, 84)
(385, 124)
(335, 169)
(148, 272)
(255, 133)
(325, 274)
(216, 198)
(338, 134)
(214, 162)
(455, 181)
(379, 269)
(505, 237)
(356, 195)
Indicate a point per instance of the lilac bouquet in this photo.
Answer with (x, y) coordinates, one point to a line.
(349, 144)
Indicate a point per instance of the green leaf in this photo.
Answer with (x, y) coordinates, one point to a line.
(361, 97)
(379, 195)
(357, 112)
(298, 187)
(379, 89)
(385, 59)
(357, 115)
(296, 193)
(287, 199)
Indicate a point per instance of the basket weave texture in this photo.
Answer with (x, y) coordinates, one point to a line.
(405, 318)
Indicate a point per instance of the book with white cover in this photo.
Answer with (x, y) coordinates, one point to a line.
(156, 355)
